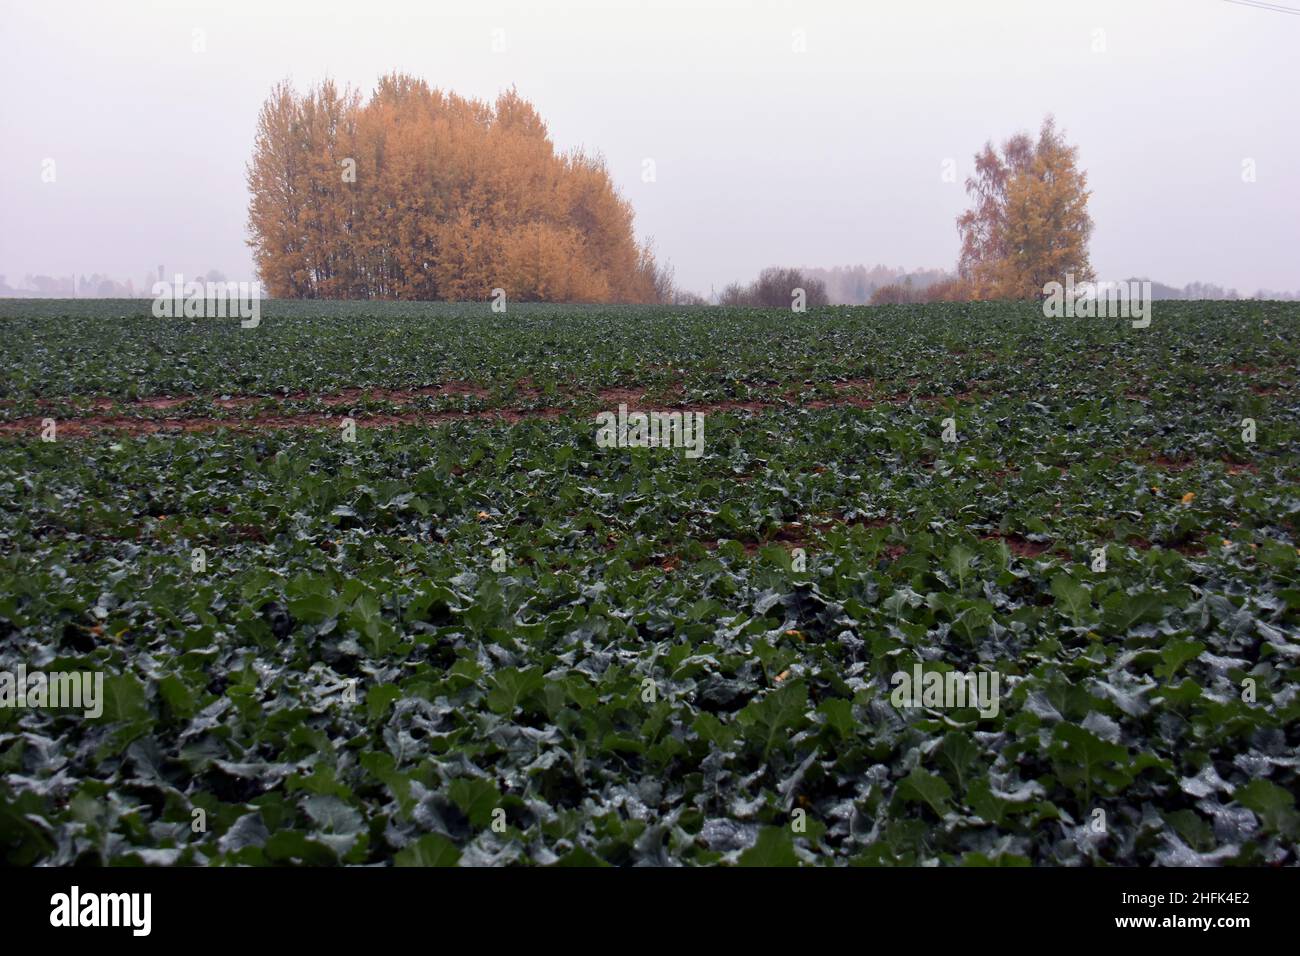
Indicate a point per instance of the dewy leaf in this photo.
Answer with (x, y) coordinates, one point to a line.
(332, 815)
(248, 830)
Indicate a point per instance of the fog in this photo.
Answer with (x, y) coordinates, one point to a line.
(779, 132)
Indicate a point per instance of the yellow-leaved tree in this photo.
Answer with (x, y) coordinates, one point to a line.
(1030, 223)
(421, 194)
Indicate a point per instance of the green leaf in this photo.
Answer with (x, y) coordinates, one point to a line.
(958, 564)
(921, 786)
(981, 799)
(124, 700)
(1082, 757)
(580, 857)
(774, 847)
(380, 698)
(1274, 806)
(1074, 596)
(314, 608)
(774, 718)
(839, 716)
(511, 687)
(476, 798)
(432, 849)
(1175, 654)
(958, 752)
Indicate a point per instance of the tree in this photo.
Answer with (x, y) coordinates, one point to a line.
(276, 186)
(421, 194)
(1030, 223)
(657, 277)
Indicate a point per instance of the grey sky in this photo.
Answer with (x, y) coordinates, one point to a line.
(764, 155)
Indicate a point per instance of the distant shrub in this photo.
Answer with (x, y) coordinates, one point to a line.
(734, 294)
(948, 290)
(775, 289)
(892, 294)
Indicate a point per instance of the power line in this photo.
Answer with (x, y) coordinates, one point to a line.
(1261, 5)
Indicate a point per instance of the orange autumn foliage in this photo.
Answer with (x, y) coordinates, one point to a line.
(1030, 223)
(423, 194)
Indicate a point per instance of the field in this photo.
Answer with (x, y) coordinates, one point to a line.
(472, 636)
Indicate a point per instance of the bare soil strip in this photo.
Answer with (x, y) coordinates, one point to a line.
(853, 393)
(92, 424)
(347, 396)
(524, 388)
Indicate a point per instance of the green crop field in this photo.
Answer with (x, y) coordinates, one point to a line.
(471, 635)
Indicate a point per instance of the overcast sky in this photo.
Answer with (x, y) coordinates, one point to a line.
(763, 154)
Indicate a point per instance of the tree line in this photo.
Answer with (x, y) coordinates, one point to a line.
(418, 193)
